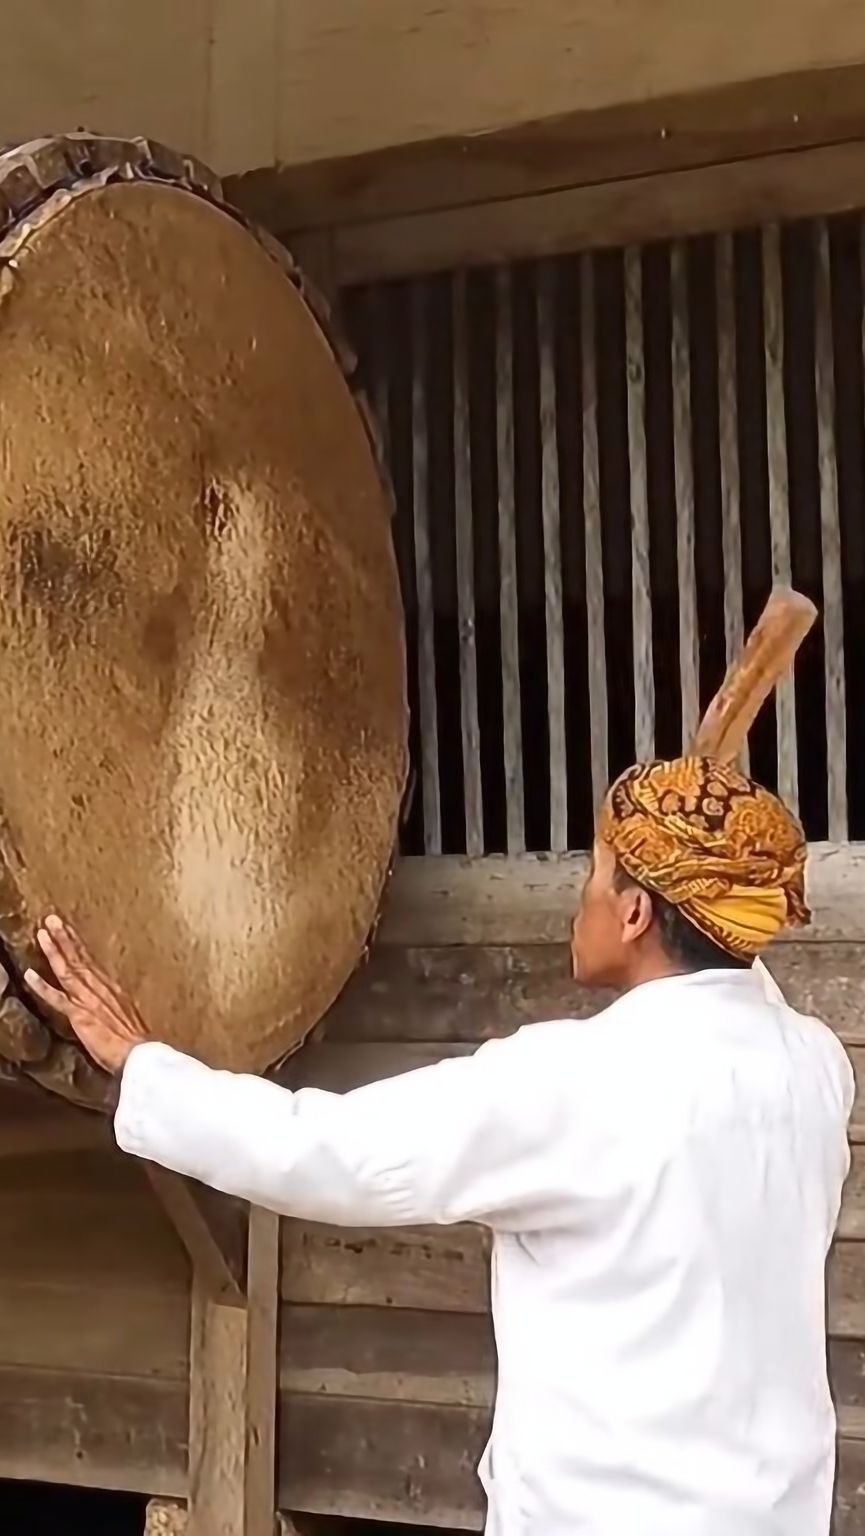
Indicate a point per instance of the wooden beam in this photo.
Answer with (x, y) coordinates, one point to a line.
(579, 148)
(211, 1228)
(531, 898)
(232, 1397)
(663, 205)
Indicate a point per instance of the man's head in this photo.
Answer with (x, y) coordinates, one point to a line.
(695, 867)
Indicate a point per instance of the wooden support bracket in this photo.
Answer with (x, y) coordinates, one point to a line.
(212, 1229)
(233, 1375)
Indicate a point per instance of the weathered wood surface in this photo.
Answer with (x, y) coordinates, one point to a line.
(783, 186)
(232, 1397)
(831, 545)
(641, 594)
(212, 1230)
(723, 125)
(346, 1456)
(595, 635)
(512, 725)
(531, 899)
(467, 994)
(468, 662)
(93, 1431)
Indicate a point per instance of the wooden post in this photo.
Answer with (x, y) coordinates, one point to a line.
(233, 1373)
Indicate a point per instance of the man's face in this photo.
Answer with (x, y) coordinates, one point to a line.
(608, 923)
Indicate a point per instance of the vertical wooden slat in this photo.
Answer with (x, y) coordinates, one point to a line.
(429, 765)
(511, 708)
(471, 740)
(597, 658)
(689, 635)
(779, 511)
(377, 330)
(552, 558)
(830, 529)
(728, 442)
(644, 677)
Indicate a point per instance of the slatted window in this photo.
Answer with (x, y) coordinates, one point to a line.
(601, 464)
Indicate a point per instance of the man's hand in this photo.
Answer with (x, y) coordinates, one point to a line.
(106, 1022)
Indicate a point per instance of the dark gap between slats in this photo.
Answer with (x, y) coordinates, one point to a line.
(388, 350)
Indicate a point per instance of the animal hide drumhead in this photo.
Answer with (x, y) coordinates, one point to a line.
(201, 646)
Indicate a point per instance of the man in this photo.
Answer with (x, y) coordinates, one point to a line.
(662, 1182)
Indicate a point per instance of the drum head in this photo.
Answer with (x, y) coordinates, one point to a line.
(201, 650)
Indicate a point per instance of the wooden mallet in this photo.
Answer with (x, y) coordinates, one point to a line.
(767, 656)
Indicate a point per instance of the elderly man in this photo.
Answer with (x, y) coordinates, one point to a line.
(662, 1182)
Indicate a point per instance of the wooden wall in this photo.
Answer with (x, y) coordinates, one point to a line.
(386, 1355)
(289, 81)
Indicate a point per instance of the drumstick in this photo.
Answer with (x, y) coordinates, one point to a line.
(768, 654)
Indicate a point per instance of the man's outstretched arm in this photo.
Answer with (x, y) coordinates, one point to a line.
(466, 1140)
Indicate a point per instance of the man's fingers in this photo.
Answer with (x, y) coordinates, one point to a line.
(82, 984)
(61, 967)
(68, 942)
(51, 996)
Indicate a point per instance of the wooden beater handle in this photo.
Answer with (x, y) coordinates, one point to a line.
(767, 655)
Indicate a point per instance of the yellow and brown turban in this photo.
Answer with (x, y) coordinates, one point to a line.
(714, 844)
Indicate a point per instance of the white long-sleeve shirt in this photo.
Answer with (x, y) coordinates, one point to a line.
(662, 1182)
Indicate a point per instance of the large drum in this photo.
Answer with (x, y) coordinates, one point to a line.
(201, 653)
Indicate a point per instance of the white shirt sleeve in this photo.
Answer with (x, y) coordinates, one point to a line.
(465, 1140)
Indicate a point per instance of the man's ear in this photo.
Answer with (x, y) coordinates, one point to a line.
(637, 913)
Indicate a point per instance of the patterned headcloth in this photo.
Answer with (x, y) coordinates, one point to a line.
(714, 844)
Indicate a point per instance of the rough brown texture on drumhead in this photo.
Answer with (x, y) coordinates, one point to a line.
(201, 644)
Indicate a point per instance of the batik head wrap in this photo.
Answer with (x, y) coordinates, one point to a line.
(727, 853)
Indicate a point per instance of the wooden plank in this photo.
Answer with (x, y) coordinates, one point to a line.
(849, 1508)
(797, 184)
(689, 633)
(211, 1228)
(846, 1291)
(479, 992)
(433, 1269)
(728, 446)
(830, 531)
(428, 707)
(93, 1431)
(509, 602)
(531, 899)
(232, 1398)
(641, 593)
(597, 649)
(630, 139)
(471, 736)
(413, 1463)
(338, 1067)
(446, 1269)
(60, 1323)
(449, 1358)
(552, 540)
(779, 505)
(406, 1356)
(86, 1216)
